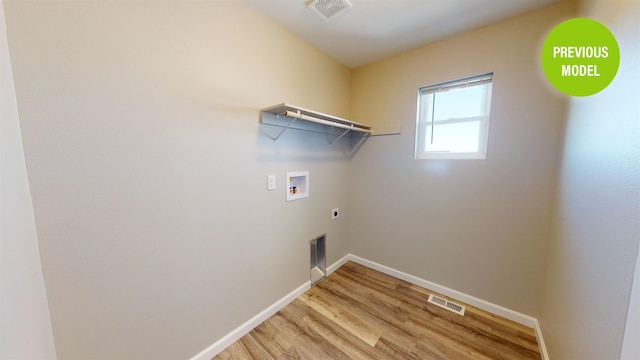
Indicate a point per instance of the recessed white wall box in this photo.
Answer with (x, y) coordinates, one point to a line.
(297, 185)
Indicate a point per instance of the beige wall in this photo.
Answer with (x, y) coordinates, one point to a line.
(25, 326)
(148, 168)
(595, 244)
(476, 226)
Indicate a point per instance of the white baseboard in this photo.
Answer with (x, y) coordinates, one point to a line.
(541, 345)
(336, 265)
(243, 329)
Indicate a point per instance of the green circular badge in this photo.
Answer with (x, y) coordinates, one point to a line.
(580, 57)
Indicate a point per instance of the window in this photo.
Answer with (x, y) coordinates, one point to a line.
(453, 119)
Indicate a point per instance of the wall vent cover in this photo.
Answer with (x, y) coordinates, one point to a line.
(329, 9)
(446, 304)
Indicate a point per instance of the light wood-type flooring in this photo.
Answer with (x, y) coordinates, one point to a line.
(360, 313)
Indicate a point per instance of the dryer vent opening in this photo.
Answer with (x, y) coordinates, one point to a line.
(318, 263)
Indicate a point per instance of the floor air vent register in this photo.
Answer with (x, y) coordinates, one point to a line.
(446, 304)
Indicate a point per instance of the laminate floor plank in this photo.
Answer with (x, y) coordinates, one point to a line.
(272, 340)
(233, 352)
(309, 343)
(344, 340)
(254, 348)
(360, 313)
(347, 319)
(434, 345)
(389, 325)
(378, 303)
(291, 354)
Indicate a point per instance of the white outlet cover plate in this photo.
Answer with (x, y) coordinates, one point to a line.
(335, 213)
(271, 182)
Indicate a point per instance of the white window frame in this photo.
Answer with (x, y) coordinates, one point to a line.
(425, 117)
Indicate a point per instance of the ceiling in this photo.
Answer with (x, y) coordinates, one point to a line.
(375, 29)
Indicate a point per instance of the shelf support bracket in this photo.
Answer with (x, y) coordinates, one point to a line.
(293, 119)
(339, 137)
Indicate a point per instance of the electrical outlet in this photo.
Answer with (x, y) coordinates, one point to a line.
(334, 213)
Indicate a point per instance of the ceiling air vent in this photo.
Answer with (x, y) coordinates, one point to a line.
(329, 9)
(446, 304)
